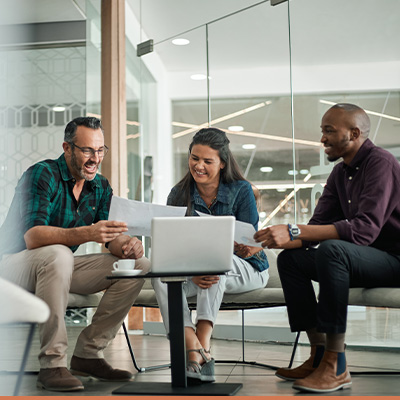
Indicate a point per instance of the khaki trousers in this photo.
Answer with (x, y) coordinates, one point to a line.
(51, 272)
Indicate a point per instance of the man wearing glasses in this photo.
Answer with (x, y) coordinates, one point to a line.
(59, 205)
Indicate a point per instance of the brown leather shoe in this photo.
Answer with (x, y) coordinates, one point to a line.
(305, 369)
(331, 375)
(58, 380)
(98, 368)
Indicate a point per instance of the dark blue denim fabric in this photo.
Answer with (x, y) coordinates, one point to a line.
(237, 199)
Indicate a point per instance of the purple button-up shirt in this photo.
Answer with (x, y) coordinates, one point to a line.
(362, 200)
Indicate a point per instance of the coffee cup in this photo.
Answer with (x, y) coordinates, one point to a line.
(124, 265)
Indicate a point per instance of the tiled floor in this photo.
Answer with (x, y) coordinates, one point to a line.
(375, 327)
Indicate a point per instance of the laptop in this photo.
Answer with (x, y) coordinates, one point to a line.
(189, 245)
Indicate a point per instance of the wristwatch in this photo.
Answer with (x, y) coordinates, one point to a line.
(294, 231)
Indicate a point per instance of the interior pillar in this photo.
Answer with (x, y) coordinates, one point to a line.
(113, 93)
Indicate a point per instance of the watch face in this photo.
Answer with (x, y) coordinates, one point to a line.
(295, 231)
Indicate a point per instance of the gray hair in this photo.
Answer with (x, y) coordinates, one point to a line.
(89, 122)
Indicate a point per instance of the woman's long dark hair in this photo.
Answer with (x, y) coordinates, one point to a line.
(217, 140)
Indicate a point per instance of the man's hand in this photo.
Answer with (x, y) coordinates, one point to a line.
(205, 282)
(106, 231)
(133, 248)
(125, 246)
(275, 237)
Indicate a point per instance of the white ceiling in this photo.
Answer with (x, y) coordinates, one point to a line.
(323, 32)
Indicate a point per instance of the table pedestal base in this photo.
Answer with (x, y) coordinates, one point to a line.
(165, 389)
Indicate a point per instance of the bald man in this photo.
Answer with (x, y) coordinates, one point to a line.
(357, 226)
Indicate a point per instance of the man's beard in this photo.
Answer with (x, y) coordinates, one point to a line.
(344, 143)
(79, 170)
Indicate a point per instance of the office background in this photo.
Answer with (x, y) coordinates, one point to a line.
(264, 73)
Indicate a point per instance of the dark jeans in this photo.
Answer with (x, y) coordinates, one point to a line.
(337, 266)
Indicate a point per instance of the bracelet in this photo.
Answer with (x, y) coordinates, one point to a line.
(290, 231)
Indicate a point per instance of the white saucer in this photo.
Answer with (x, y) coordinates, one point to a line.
(132, 272)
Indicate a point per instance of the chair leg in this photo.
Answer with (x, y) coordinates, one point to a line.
(296, 342)
(254, 363)
(24, 358)
(140, 369)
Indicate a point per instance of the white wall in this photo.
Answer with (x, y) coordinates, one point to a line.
(158, 140)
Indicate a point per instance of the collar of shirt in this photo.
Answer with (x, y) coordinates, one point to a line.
(67, 176)
(361, 155)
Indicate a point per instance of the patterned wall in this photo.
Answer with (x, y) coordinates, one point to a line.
(32, 82)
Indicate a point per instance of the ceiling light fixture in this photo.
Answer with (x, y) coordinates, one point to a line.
(291, 172)
(307, 178)
(331, 103)
(58, 109)
(277, 138)
(304, 171)
(266, 169)
(249, 146)
(198, 77)
(221, 119)
(235, 128)
(180, 42)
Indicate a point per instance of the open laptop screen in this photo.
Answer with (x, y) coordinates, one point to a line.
(192, 244)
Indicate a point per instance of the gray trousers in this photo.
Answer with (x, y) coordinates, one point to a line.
(51, 272)
(209, 300)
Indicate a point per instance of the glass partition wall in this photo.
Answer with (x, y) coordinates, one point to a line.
(266, 75)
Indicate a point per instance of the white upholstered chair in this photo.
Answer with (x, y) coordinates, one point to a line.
(18, 306)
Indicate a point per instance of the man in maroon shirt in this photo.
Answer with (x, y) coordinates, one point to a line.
(357, 226)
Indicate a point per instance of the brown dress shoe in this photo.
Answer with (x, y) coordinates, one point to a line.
(331, 375)
(98, 368)
(58, 380)
(305, 369)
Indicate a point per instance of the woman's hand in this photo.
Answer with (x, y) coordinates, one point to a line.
(206, 281)
(241, 250)
(244, 251)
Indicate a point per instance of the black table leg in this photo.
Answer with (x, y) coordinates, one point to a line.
(178, 385)
(177, 335)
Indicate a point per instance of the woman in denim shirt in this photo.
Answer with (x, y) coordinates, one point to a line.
(214, 185)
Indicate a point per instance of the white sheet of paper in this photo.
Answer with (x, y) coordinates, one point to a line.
(138, 215)
(244, 232)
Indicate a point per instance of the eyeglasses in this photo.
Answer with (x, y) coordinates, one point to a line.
(89, 152)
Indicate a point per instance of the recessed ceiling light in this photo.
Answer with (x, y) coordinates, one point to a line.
(262, 214)
(235, 128)
(58, 109)
(281, 190)
(304, 171)
(248, 146)
(180, 42)
(266, 169)
(198, 77)
(307, 178)
(291, 172)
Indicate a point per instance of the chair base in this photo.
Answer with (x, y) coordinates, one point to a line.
(251, 363)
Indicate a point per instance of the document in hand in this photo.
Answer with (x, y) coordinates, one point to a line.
(138, 215)
(244, 232)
